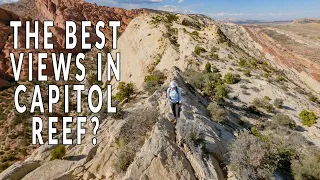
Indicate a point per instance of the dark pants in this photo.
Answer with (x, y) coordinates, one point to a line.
(175, 110)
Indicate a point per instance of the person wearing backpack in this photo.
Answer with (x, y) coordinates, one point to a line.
(175, 98)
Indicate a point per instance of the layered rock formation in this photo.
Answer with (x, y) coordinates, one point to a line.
(299, 58)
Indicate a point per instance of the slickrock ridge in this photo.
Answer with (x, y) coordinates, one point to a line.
(165, 152)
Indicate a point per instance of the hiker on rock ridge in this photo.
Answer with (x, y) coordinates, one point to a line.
(175, 98)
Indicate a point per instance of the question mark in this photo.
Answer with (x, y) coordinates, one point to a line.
(95, 120)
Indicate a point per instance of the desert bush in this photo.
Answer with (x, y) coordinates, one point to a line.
(263, 103)
(221, 91)
(214, 49)
(125, 91)
(255, 89)
(171, 18)
(278, 103)
(215, 69)
(214, 55)
(198, 50)
(312, 98)
(4, 166)
(153, 81)
(195, 33)
(308, 167)
(58, 152)
(259, 156)
(250, 158)
(308, 118)
(229, 78)
(284, 120)
(242, 62)
(118, 114)
(194, 78)
(267, 98)
(217, 113)
(123, 160)
(208, 68)
(245, 92)
(247, 73)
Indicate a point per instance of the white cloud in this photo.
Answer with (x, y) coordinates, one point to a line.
(168, 8)
(222, 14)
(180, 1)
(189, 11)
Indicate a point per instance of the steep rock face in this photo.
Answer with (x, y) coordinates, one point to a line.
(77, 11)
(165, 152)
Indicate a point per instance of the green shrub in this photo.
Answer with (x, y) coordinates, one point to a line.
(215, 69)
(195, 33)
(208, 68)
(198, 50)
(308, 118)
(171, 18)
(313, 98)
(267, 98)
(230, 56)
(125, 91)
(229, 78)
(214, 55)
(214, 49)
(247, 73)
(284, 120)
(154, 81)
(58, 152)
(278, 103)
(242, 62)
(221, 91)
(217, 113)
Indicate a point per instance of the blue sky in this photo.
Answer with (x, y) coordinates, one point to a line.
(234, 9)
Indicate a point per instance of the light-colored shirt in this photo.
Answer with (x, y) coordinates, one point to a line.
(174, 95)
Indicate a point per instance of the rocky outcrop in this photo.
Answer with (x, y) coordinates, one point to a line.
(59, 11)
(23, 8)
(19, 170)
(77, 11)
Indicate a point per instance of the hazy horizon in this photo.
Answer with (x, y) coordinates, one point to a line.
(272, 10)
